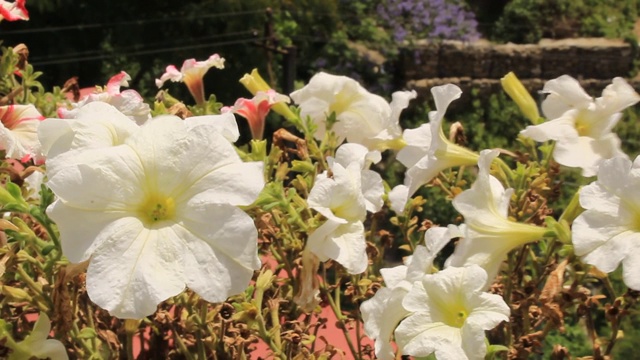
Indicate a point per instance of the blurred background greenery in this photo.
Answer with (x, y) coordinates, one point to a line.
(94, 40)
(362, 39)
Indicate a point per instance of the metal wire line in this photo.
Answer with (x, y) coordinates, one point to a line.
(140, 47)
(146, 52)
(131, 22)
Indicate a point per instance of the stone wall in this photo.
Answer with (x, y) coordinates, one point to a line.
(480, 65)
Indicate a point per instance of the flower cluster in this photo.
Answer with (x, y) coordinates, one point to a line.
(164, 222)
(432, 19)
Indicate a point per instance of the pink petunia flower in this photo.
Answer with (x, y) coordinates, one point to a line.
(19, 132)
(191, 74)
(128, 102)
(256, 110)
(12, 11)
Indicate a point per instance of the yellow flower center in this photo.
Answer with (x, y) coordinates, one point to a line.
(582, 126)
(456, 318)
(342, 102)
(157, 208)
(635, 214)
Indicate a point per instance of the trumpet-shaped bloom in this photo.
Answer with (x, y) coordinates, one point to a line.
(487, 234)
(383, 312)
(191, 73)
(255, 83)
(449, 315)
(371, 181)
(256, 110)
(156, 213)
(339, 198)
(580, 125)
(19, 132)
(361, 117)
(36, 345)
(607, 233)
(128, 102)
(428, 151)
(12, 11)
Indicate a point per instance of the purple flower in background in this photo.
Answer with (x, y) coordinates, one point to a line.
(430, 19)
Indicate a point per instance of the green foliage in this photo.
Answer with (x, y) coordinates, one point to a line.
(574, 338)
(492, 123)
(527, 21)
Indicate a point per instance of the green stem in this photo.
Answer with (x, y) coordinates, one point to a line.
(507, 298)
(340, 318)
(202, 352)
(52, 234)
(275, 322)
(75, 333)
(264, 335)
(32, 285)
(182, 347)
(130, 346)
(90, 314)
(281, 257)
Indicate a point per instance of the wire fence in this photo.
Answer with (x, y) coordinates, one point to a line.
(154, 46)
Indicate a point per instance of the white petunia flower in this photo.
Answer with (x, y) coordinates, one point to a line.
(428, 151)
(607, 233)
(361, 117)
(19, 132)
(339, 198)
(372, 187)
(487, 233)
(95, 125)
(382, 313)
(37, 345)
(449, 315)
(101, 125)
(581, 126)
(128, 102)
(159, 212)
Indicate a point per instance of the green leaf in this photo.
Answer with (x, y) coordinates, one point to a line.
(87, 333)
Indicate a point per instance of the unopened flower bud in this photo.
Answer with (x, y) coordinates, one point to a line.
(23, 55)
(516, 91)
(15, 294)
(264, 280)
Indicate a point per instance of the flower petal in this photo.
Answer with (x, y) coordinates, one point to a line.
(373, 190)
(418, 141)
(417, 335)
(560, 128)
(136, 268)
(168, 146)
(90, 170)
(96, 125)
(344, 243)
(82, 230)
(565, 93)
(587, 153)
(221, 252)
(398, 196)
(226, 124)
(380, 315)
